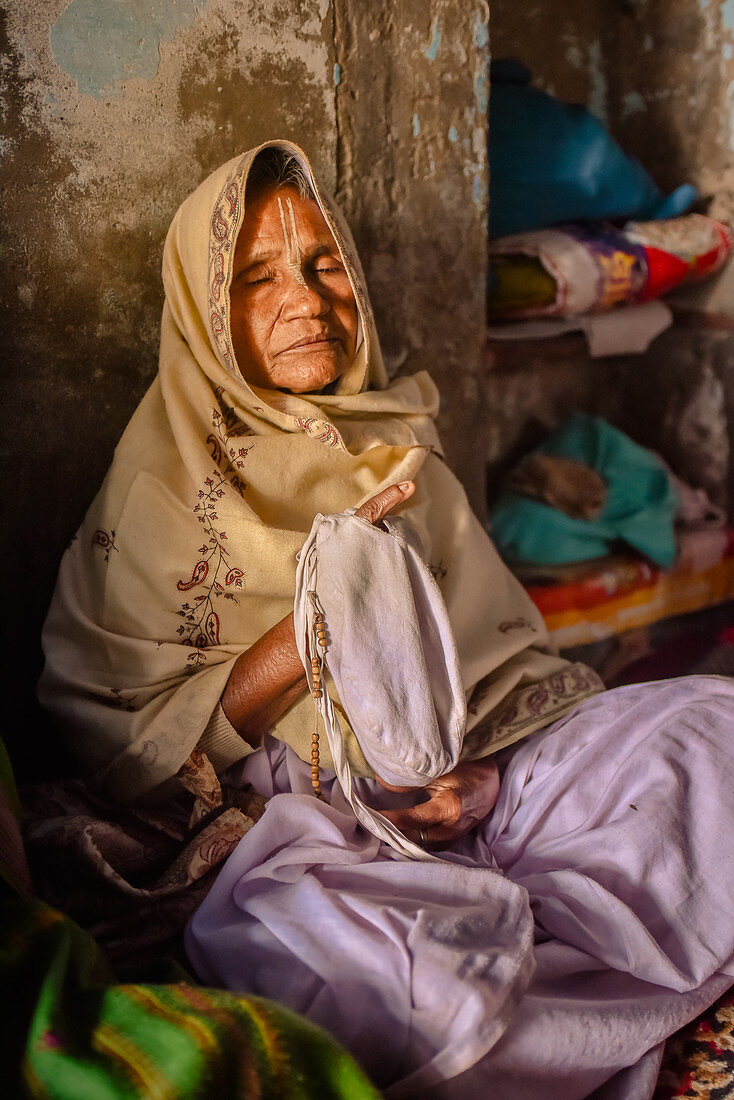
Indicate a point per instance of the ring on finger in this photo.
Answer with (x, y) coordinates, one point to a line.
(423, 837)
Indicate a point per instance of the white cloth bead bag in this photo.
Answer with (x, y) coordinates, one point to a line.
(390, 651)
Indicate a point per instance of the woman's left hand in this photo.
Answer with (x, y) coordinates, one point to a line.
(458, 801)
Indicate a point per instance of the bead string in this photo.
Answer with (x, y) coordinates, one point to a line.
(316, 663)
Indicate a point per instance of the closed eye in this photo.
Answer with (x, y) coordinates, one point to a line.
(260, 277)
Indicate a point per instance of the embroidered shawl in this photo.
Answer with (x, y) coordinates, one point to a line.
(188, 553)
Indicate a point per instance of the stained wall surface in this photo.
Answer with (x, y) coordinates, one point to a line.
(113, 111)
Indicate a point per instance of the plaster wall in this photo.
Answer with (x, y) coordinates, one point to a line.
(113, 111)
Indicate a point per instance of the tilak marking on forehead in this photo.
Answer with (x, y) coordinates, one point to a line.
(292, 244)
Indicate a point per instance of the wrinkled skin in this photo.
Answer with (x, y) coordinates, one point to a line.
(293, 316)
(458, 801)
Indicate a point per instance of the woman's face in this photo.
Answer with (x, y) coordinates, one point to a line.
(293, 316)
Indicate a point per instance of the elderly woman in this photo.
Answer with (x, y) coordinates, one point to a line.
(565, 920)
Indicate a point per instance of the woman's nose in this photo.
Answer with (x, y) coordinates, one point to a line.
(303, 300)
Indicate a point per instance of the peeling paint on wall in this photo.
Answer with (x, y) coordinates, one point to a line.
(481, 90)
(432, 51)
(100, 43)
(632, 102)
(598, 97)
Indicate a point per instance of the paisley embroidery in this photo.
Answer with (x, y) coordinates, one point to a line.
(221, 252)
(213, 572)
(548, 699)
(218, 276)
(197, 577)
(321, 430)
(212, 628)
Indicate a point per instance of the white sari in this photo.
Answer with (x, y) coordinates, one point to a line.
(549, 955)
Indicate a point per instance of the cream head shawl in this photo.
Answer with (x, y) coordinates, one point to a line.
(188, 553)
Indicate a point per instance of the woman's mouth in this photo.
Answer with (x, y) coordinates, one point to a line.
(312, 344)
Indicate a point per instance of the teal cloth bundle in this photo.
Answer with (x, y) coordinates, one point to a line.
(639, 508)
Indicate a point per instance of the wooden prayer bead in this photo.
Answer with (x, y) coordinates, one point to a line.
(316, 693)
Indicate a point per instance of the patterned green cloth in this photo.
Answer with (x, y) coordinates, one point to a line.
(71, 1031)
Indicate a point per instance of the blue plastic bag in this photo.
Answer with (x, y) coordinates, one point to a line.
(552, 162)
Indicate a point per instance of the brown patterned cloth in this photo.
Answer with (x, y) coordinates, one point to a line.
(699, 1060)
(132, 876)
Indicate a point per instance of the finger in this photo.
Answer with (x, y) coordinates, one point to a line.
(379, 505)
(392, 787)
(426, 835)
(442, 810)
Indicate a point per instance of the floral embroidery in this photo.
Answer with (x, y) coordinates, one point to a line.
(106, 541)
(122, 701)
(213, 569)
(231, 422)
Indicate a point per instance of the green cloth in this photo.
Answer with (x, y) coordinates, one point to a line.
(639, 508)
(72, 1031)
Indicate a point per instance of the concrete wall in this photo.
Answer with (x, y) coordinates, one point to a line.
(113, 112)
(659, 73)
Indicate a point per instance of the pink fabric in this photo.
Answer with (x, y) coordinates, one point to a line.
(613, 830)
